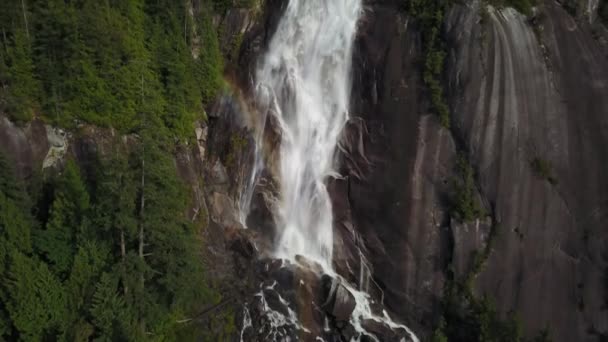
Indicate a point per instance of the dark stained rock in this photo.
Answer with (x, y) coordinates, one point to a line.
(397, 192)
(344, 304)
(383, 332)
(470, 241)
(338, 301)
(348, 333)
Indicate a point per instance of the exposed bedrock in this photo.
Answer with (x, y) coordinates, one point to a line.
(397, 172)
(520, 92)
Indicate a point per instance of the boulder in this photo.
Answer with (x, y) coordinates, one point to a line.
(339, 301)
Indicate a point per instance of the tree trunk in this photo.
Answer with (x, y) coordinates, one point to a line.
(123, 254)
(27, 31)
(142, 207)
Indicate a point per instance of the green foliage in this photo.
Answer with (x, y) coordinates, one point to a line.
(36, 300)
(439, 333)
(522, 6)
(543, 336)
(429, 14)
(222, 6)
(19, 90)
(466, 318)
(602, 11)
(58, 239)
(237, 144)
(15, 235)
(465, 202)
(543, 169)
(84, 277)
(108, 63)
(237, 42)
(210, 64)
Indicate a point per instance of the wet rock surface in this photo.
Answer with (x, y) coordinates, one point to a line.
(296, 302)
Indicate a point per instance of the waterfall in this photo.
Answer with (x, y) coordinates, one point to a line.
(304, 81)
(306, 73)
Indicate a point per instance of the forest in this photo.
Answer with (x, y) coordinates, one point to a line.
(108, 63)
(107, 254)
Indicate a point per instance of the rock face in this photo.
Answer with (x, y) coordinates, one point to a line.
(27, 146)
(397, 205)
(520, 91)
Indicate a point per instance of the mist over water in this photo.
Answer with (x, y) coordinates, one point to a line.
(306, 76)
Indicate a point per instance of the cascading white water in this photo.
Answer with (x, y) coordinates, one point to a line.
(304, 80)
(307, 72)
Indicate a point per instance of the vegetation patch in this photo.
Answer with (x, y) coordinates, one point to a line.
(465, 205)
(602, 11)
(468, 318)
(238, 143)
(522, 6)
(103, 256)
(108, 63)
(222, 6)
(429, 15)
(544, 170)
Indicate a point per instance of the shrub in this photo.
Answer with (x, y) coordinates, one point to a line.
(602, 11)
(465, 204)
(429, 14)
(543, 169)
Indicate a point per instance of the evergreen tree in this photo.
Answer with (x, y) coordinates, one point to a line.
(15, 231)
(36, 299)
(209, 65)
(19, 90)
(67, 221)
(117, 260)
(111, 316)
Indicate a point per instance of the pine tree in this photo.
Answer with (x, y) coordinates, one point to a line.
(67, 223)
(21, 89)
(36, 302)
(210, 65)
(15, 231)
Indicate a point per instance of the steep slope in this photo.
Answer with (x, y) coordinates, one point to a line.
(528, 101)
(521, 92)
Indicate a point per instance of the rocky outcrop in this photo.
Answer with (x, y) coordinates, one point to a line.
(27, 146)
